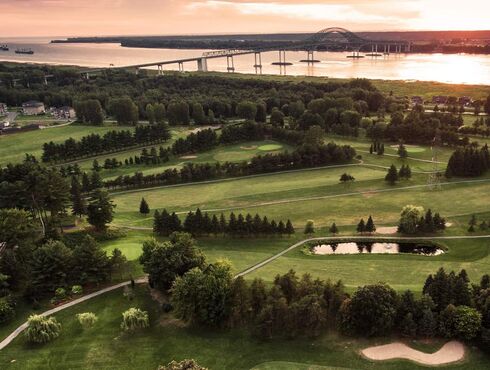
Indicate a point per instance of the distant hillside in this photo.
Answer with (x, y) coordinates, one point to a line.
(476, 42)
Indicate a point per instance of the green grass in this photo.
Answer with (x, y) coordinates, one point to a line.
(270, 147)
(105, 347)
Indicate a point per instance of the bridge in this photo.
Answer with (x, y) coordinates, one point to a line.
(334, 37)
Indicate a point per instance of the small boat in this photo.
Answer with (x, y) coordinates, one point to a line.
(4, 48)
(24, 51)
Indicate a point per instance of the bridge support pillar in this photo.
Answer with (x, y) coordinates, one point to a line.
(160, 69)
(202, 65)
(310, 57)
(181, 66)
(230, 63)
(258, 62)
(45, 80)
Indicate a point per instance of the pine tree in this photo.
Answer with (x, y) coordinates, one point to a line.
(361, 226)
(215, 225)
(85, 183)
(371, 149)
(402, 151)
(289, 228)
(96, 166)
(156, 222)
(281, 228)
(370, 227)
(144, 208)
(334, 229)
(223, 227)
(392, 175)
(174, 223)
(472, 224)
(78, 200)
(429, 225)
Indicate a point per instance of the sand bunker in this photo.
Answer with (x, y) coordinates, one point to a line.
(387, 230)
(189, 157)
(450, 352)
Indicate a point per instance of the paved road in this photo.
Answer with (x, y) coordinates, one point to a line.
(21, 328)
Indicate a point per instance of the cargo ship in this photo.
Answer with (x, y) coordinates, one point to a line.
(24, 51)
(4, 48)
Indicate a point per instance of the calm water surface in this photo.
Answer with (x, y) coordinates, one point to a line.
(461, 68)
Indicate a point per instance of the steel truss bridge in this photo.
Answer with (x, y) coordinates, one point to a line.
(333, 37)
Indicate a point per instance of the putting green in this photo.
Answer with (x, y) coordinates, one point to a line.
(269, 147)
(233, 156)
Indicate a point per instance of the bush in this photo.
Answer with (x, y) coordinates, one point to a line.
(42, 329)
(7, 311)
(134, 319)
(76, 290)
(87, 319)
(182, 365)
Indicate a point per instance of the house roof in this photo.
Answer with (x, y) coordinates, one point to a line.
(32, 103)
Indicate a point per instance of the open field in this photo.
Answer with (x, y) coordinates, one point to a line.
(104, 346)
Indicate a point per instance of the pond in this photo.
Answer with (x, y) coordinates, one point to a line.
(426, 249)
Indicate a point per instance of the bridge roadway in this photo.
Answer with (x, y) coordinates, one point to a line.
(322, 37)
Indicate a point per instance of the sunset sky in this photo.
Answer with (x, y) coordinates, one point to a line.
(144, 17)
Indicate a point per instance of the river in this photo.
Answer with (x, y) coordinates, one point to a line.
(456, 68)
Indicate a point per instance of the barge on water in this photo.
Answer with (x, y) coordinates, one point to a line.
(24, 51)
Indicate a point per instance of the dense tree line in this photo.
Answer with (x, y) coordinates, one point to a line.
(469, 162)
(197, 223)
(111, 141)
(196, 142)
(305, 156)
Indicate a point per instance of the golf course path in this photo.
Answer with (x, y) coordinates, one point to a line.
(385, 238)
(21, 328)
(450, 352)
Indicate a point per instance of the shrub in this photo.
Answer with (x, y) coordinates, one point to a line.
(134, 319)
(7, 311)
(76, 290)
(87, 319)
(182, 365)
(42, 329)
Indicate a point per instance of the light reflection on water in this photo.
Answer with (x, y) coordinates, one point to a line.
(467, 69)
(376, 248)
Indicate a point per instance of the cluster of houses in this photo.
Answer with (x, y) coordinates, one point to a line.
(465, 101)
(34, 108)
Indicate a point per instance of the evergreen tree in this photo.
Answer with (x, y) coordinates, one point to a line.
(392, 175)
(100, 210)
(78, 200)
(96, 166)
(223, 227)
(215, 225)
(402, 151)
(289, 228)
(472, 223)
(361, 226)
(144, 208)
(334, 229)
(370, 227)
